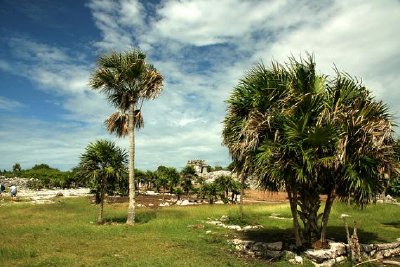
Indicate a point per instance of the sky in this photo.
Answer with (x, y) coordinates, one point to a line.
(49, 48)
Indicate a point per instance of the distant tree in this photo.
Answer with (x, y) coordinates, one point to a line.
(188, 174)
(127, 80)
(41, 166)
(178, 192)
(16, 168)
(210, 191)
(162, 179)
(218, 168)
(226, 184)
(140, 178)
(168, 177)
(151, 179)
(101, 162)
(173, 179)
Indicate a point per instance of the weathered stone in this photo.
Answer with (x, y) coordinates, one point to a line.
(217, 223)
(367, 247)
(261, 246)
(234, 227)
(224, 218)
(321, 255)
(387, 246)
(276, 246)
(379, 255)
(273, 254)
(340, 259)
(339, 248)
(251, 227)
(298, 260)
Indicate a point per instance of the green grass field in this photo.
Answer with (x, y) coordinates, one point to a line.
(64, 233)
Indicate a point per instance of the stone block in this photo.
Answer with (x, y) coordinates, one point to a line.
(276, 246)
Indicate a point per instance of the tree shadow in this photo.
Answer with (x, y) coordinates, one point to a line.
(395, 224)
(338, 234)
(335, 233)
(141, 218)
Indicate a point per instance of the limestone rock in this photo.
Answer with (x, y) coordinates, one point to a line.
(276, 246)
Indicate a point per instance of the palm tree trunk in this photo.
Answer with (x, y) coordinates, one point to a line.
(131, 125)
(102, 189)
(241, 195)
(293, 208)
(325, 217)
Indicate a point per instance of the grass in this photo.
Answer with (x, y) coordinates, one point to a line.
(64, 233)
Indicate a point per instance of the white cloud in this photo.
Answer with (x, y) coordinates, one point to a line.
(212, 22)
(9, 104)
(203, 48)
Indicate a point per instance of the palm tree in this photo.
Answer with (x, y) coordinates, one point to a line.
(102, 162)
(294, 129)
(127, 80)
(188, 174)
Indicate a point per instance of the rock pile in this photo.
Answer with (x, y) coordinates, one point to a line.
(19, 182)
(258, 249)
(386, 199)
(337, 252)
(221, 223)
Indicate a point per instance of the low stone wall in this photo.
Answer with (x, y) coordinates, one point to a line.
(337, 252)
(258, 249)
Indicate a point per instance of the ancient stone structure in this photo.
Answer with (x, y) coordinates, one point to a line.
(200, 166)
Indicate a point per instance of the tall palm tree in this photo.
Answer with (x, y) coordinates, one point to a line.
(101, 162)
(127, 80)
(294, 129)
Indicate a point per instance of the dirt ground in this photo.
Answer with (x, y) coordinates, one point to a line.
(251, 196)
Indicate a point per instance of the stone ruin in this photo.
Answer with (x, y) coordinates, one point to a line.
(200, 166)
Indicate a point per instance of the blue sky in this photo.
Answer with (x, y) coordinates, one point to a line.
(48, 48)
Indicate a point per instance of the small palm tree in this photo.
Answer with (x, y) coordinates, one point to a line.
(188, 174)
(102, 161)
(127, 80)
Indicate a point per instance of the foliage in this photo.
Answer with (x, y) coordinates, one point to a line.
(43, 176)
(167, 177)
(16, 168)
(227, 184)
(127, 80)
(294, 129)
(393, 187)
(211, 191)
(188, 174)
(103, 164)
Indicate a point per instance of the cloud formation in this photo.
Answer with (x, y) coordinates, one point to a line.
(202, 53)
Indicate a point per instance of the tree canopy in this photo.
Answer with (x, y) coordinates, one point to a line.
(127, 80)
(102, 163)
(309, 134)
